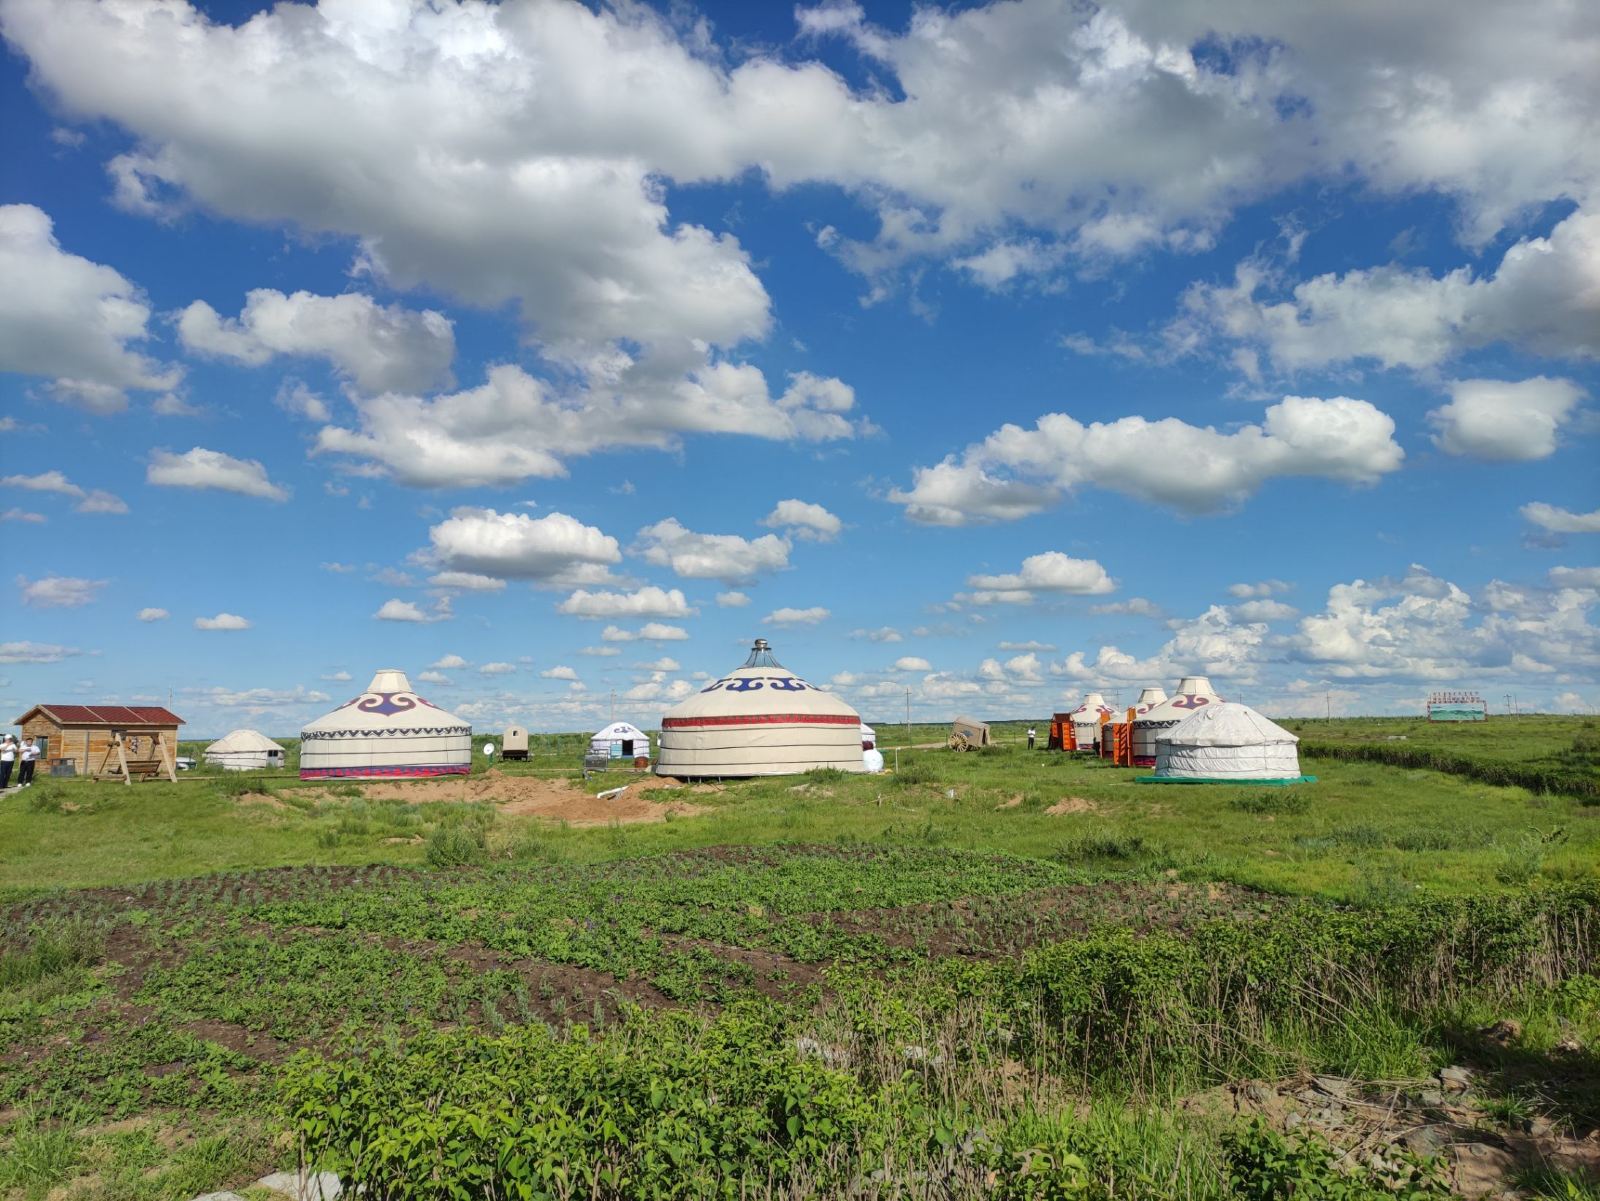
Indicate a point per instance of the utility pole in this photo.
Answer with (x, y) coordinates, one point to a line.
(908, 715)
(1328, 696)
(613, 704)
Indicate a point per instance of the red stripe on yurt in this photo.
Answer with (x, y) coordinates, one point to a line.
(372, 773)
(762, 719)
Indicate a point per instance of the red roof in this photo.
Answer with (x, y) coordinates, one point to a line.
(106, 715)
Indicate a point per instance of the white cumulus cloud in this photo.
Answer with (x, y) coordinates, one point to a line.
(648, 601)
(798, 617)
(547, 549)
(1016, 472)
(1503, 420)
(76, 322)
(222, 621)
(58, 592)
(153, 614)
(1050, 572)
(725, 557)
(211, 469)
(380, 348)
(804, 520)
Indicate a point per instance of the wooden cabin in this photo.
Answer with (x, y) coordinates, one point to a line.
(105, 741)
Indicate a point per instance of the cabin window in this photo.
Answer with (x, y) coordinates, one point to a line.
(44, 745)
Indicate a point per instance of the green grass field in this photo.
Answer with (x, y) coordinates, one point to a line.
(999, 973)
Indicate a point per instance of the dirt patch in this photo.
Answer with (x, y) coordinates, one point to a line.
(1071, 804)
(1010, 802)
(554, 800)
(264, 799)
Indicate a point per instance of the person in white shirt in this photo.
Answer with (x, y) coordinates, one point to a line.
(1030, 738)
(30, 753)
(8, 759)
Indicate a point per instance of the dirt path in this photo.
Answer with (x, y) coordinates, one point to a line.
(645, 798)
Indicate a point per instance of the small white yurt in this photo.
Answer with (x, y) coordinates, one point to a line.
(1107, 742)
(1086, 722)
(620, 740)
(244, 750)
(759, 720)
(1227, 741)
(869, 737)
(385, 732)
(1194, 692)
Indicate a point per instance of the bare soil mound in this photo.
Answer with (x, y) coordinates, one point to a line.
(645, 798)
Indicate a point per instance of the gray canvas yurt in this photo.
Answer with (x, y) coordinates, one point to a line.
(759, 720)
(1194, 692)
(244, 750)
(620, 740)
(1226, 741)
(388, 731)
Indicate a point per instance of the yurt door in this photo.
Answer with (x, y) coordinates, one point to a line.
(627, 748)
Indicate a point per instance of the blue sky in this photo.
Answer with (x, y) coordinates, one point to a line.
(996, 353)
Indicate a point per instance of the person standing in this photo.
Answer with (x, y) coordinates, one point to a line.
(1030, 738)
(8, 760)
(30, 754)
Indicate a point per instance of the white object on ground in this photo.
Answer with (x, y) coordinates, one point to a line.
(610, 792)
(872, 760)
(318, 1186)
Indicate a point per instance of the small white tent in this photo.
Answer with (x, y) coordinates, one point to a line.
(869, 737)
(1227, 741)
(1086, 722)
(620, 740)
(386, 731)
(244, 750)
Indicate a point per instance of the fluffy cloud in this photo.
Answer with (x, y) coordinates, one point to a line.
(58, 592)
(665, 663)
(1264, 610)
(515, 426)
(1505, 421)
(89, 501)
(153, 615)
(725, 557)
(1102, 130)
(1259, 589)
(23, 515)
(1426, 629)
(497, 669)
(35, 652)
(201, 468)
(732, 600)
(798, 617)
(651, 631)
(400, 610)
(1016, 472)
(549, 549)
(433, 677)
(559, 673)
(1561, 521)
(804, 520)
(222, 621)
(1050, 572)
(379, 348)
(1136, 606)
(467, 581)
(1542, 298)
(450, 663)
(75, 323)
(912, 663)
(1575, 577)
(649, 601)
(1030, 645)
(881, 634)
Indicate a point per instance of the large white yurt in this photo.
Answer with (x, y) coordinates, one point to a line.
(1227, 741)
(620, 740)
(1194, 692)
(1086, 721)
(759, 720)
(386, 731)
(244, 750)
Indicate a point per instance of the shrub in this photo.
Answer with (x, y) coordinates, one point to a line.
(1266, 1166)
(1109, 846)
(916, 771)
(460, 844)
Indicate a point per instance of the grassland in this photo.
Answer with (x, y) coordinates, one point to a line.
(995, 974)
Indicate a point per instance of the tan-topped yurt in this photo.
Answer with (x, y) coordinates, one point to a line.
(1194, 692)
(244, 750)
(1227, 741)
(1086, 722)
(759, 720)
(387, 731)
